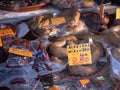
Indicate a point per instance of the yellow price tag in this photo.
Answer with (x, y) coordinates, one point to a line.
(54, 87)
(79, 54)
(20, 52)
(84, 81)
(6, 32)
(118, 13)
(1, 43)
(58, 20)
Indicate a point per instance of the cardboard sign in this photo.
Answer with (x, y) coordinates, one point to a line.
(79, 54)
(1, 43)
(118, 13)
(20, 52)
(84, 81)
(6, 32)
(58, 20)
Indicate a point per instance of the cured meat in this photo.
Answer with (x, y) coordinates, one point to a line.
(72, 3)
(16, 60)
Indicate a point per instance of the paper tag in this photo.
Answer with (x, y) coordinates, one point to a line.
(54, 87)
(118, 13)
(6, 32)
(91, 41)
(1, 43)
(58, 20)
(20, 52)
(79, 54)
(84, 81)
(100, 78)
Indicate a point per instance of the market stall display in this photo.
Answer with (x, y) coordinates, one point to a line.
(65, 45)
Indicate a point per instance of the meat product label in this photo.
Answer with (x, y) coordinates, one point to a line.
(20, 52)
(118, 13)
(58, 20)
(79, 54)
(84, 81)
(1, 43)
(7, 31)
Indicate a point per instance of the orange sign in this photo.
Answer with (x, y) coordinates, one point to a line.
(6, 32)
(58, 20)
(84, 81)
(1, 43)
(54, 87)
(20, 52)
(79, 54)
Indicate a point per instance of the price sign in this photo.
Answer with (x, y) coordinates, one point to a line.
(6, 32)
(20, 52)
(54, 87)
(1, 43)
(79, 54)
(118, 13)
(84, 81)
(58, 20)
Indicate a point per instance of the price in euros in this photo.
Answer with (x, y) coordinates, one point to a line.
(81, 60)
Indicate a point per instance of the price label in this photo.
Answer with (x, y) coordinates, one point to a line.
(7, 31)
(79, 54)
(1, 42)
(118, 13)
(54, 87)
(58, 20)
(84, 81)
(20, 52)
(100, 78)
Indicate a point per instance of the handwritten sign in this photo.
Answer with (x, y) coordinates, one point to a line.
(58, 20)
(79, 54)
(84, 81)
(20, 52)
(7, 31)
(118, 13)
(1, 43)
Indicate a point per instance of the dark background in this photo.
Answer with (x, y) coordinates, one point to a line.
(113, 2)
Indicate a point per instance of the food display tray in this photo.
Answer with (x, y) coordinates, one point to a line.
(23, 9)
